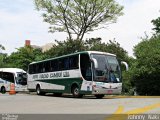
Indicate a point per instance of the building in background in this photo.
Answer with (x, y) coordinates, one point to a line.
(44, 48)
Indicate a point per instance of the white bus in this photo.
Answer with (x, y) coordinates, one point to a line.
(81, 73)
(13, 75)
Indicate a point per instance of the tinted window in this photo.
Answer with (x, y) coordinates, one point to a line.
(7, 76)
(74, 62)
(54, 65)
(0, 74)
(66, 63)
(32, 69)
(40, 68)
(47, 66)
(86, 67)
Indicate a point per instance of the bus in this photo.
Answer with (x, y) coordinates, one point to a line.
(82, 73)
(13, 75)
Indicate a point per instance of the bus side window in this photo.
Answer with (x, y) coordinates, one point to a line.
(60, 61)
(34, 69)
(65, 63)
(0, 74)
(52, 69)
(47, 66)
(54, 65)
(39, 68)
(74, 62)
(31, 69)
(8, 77)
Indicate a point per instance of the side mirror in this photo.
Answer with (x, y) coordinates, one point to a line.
(95, 62)
(126, 65)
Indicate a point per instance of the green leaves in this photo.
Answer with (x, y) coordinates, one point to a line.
(93, 44)
(2, 47)
(23, 57)
(148, 53)
(156, 23)
(146, 71)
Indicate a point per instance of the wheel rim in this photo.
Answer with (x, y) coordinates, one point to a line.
(76, 91)
(3, 90)
(38, 90)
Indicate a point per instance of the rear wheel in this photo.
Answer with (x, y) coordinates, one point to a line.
(39, 91)
(75, 92)
(99, 96)
(3, 90)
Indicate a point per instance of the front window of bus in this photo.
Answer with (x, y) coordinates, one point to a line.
(21, 78)
(108, 69)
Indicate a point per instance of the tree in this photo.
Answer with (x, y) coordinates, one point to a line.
(65, 47)
(111, 47)
(147, 66)
(2, 47)
(23, 57)
(78, 16)
(2, 58)
(156, 23)
(94, 44)
(2, 55)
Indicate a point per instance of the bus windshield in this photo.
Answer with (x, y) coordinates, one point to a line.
(107, 70)
(21, 78)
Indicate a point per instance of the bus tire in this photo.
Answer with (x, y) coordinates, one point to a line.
(99, 96)
(3, 90)
(75, 91)
(39, 91)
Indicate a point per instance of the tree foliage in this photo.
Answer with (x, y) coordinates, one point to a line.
(2, 55)
(112, 46)
(147, 66)
(92, 44)
(23, 57)
(2, 47)
(156, 23)
(65, 47)
(2, 60)
(78, 16)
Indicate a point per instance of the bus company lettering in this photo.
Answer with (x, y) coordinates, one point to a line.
(66, 74)
(56, 75)
(51, 75)
(43, 76)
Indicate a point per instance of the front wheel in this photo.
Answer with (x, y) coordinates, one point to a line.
(99, 96)
(75, 92)
(3, 90)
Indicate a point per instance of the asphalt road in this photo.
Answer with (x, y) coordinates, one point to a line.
(49, 104)
(31, 103)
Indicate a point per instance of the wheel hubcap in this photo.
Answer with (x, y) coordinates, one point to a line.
(76, 91)
(38, 90)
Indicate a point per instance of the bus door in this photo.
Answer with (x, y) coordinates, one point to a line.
(21, 81)
(86, 71)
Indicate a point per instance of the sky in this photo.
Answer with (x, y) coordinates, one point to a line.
(19, 21)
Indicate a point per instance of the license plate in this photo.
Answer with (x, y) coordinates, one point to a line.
(109, 91)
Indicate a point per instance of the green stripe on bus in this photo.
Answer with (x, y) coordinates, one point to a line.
(67, 82)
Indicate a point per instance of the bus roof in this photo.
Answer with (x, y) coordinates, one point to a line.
(87, 52)
(12, 70)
